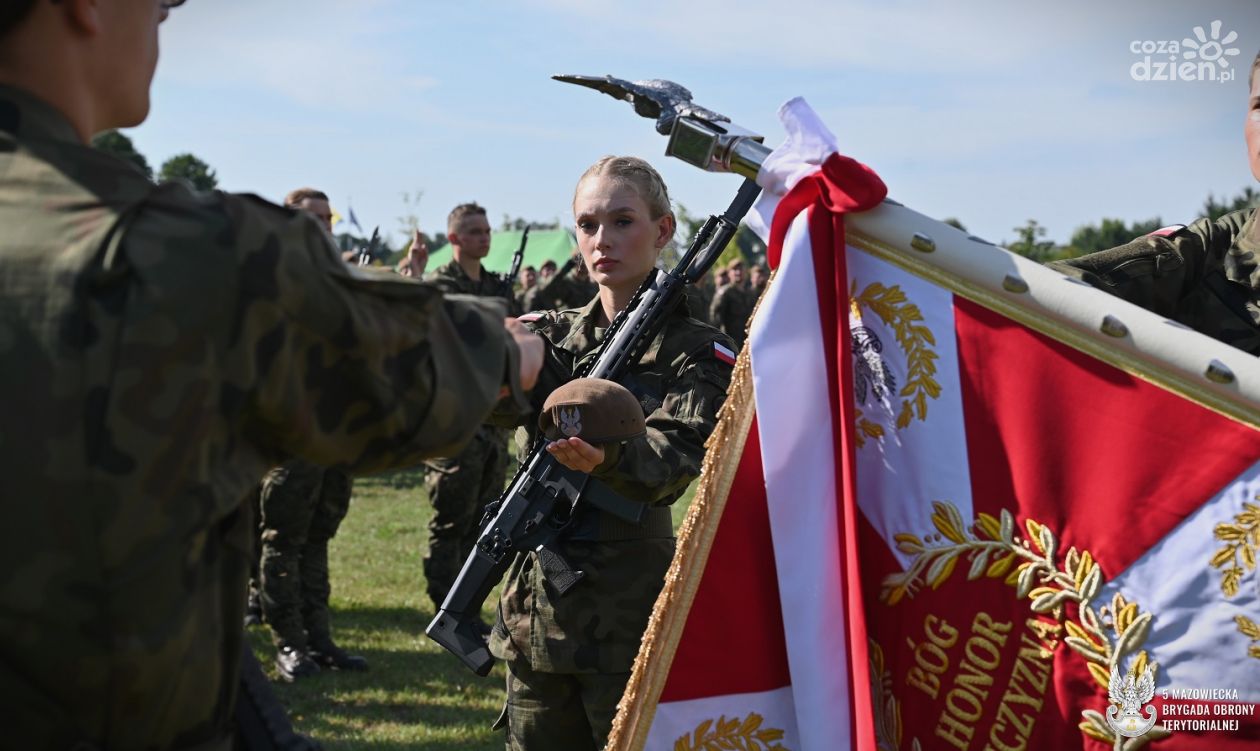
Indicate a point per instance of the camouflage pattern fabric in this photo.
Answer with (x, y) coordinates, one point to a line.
(573, 712)
(699, 298)
(730, 310)
(596, 627)
(167, 348)
(451, 278)
(459, 489)
(560, 292)
(303, 505)
(1205, 275)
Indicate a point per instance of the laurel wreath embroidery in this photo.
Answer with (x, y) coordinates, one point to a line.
(1251, 630)
(887, 710)
(1242, 541)
(916, 340)
(744, 735)
(1104, 637)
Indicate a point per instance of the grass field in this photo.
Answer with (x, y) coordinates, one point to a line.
(416, 695)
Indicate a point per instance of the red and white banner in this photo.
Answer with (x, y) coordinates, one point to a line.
(946, 528)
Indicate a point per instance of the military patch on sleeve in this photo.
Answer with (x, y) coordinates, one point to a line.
(1168, 231)
(723, 353)
(529, 317)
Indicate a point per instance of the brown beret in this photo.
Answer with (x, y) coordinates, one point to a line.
(593, 409)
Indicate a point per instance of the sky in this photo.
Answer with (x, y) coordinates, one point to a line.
(990, 112)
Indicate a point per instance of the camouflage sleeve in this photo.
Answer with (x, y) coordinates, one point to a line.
(347, 367)
(557, 370)
(1161, 269)
(659, 466)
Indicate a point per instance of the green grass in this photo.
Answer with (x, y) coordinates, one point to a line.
(416, 695)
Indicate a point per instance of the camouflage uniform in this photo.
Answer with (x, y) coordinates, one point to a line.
(569, 659)
(699, 298)
(731, 307)
(303, 504)
(1206, 276)
(561, 292)
(460, 487)
(165, 349)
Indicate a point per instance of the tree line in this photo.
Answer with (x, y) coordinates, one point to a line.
(1029, 237)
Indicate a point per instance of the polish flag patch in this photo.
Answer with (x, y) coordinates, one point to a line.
(1168, 231)
(724, 354)
(529, 317)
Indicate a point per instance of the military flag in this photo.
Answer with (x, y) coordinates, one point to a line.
(956, 501)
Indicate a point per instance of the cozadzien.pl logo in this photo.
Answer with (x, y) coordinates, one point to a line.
(1205, 56)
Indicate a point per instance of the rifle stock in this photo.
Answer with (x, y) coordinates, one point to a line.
(540, 503)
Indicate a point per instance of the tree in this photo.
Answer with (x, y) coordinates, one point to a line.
(190, 168)
(113, 142)
(516, 224)
(1029, 243)
(953, 222)
(1110, 233)
(1214, 209)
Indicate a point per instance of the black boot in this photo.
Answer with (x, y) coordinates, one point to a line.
(294, 664)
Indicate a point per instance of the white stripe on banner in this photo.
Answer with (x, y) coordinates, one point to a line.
(1194, 636)
(676, 719)
(900, 474)
(794, 414)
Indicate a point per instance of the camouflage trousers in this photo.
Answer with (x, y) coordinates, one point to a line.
(302, 507)
(459, 489)
(570, 711)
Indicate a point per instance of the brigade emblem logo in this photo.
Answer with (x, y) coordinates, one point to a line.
(1131, 694)
(570, 421)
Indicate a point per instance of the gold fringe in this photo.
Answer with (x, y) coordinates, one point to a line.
(695, 538)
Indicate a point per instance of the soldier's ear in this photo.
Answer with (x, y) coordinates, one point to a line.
(665, 230)
(86, 17)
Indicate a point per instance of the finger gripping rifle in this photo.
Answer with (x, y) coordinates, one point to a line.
(515, 269)
(541, 502)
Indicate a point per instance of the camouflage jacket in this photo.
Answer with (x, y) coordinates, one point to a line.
(162, 350)
(730, 309)
(1206, 276)
(598, 625)
(453, 280)
(560, 292)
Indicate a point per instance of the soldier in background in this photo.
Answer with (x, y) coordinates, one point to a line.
(758, 277)
(1202, 275)
(172, 346)
(302, 505)
(732, 304)
(528, 280)
(568, 287)
(459, 487)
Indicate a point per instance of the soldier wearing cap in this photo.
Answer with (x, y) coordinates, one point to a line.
(1205, 275)
(166, 348)
(733, 304)
(569, 658)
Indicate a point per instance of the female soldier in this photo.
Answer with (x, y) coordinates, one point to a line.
(569, 658)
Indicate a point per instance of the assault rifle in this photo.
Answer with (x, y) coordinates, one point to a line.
(543, 498)
(516, 267)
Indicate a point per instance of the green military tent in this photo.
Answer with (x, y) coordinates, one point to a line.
(555, 244)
